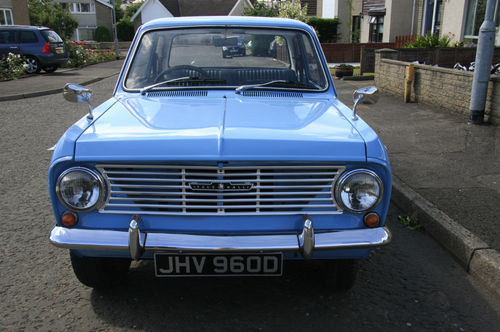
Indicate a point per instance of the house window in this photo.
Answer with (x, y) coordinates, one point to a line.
(82, 8)
(476, 11)
(376, 28)
(433, 12)
(6, 17)
(356, 28)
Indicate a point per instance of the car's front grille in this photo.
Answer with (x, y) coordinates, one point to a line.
(219, 190)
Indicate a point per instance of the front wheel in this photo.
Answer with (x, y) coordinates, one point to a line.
(33, 65)
(99, 272)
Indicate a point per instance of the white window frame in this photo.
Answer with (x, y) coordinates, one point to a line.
(4, 13)
(76, 8)
(475, 18)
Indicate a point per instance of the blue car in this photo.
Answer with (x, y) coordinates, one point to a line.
(220, 167)
(41, 47)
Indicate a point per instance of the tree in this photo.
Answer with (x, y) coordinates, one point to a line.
(262, 9)
(131, 9)
(292, 9)
(53, 15)
(282, 8)
(125, 27)
(118, 10)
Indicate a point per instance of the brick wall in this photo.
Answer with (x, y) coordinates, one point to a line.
(448, 89)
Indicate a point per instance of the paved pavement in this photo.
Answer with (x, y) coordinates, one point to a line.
(446, 172)
(446, 175)
(44, 84)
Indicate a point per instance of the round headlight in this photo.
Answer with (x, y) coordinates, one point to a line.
(358, 190)
(80, 189)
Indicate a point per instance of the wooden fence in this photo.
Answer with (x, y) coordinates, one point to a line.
(401, 41)
(443, 57)
(338, 53)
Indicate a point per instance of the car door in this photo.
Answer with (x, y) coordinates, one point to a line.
(8, 42)
(29, 43)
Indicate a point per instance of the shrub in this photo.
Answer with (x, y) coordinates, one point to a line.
(79, 55)
(428, 41)
(125, 29)
(11, 66)
(326, 28)
(102, 34)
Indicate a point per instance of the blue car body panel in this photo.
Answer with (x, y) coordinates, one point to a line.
(221, 126)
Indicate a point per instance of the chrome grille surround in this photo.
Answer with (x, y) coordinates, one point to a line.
(170, 190)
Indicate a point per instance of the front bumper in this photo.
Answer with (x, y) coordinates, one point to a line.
(136, 242)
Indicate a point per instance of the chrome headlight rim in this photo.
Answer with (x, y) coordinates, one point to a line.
(343, 179)
(96, 175)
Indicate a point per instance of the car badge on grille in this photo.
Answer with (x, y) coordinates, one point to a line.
(220, 186)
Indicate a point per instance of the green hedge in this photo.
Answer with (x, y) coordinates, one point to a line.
(326, 28)
(125, 29)
(102, 34)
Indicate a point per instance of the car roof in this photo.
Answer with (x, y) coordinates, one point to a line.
(224, 20)
(24, 27)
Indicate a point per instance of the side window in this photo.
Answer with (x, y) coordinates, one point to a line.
(27, 37)
(144, 63)
(313, 63)
(7, 37)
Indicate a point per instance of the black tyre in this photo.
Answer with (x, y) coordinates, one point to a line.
(98, 272)
(33, 65)
(50, 69)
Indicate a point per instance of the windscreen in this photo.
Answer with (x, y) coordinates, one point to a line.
(226, 57)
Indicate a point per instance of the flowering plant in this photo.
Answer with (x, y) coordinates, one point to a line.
(12, 66)
(79, 55)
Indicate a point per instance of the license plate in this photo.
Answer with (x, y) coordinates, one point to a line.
(59, 50)
(242, 264)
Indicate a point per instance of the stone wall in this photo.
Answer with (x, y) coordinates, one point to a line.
(448, 89)
(495, 102)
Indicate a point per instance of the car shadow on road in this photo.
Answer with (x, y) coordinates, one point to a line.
(145, 302)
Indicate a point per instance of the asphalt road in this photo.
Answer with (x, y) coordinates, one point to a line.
(412, 284)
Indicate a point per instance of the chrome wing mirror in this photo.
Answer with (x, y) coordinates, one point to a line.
(79, 94)
(367, 96)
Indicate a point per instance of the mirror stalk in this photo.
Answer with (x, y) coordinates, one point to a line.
(79, 94)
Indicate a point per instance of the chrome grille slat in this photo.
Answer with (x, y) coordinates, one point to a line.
(192, 213)
(222, 190)
(221, 200)
(220, 181)
(187, 187)
(274, 193)
(216, 207)
(227, 175)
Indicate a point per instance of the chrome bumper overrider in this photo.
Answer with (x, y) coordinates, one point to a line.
(137, 242)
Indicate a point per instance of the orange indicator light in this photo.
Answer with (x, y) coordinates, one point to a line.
(69, 219)
(372, 220)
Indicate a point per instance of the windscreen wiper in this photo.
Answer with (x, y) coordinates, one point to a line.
(286, 83)
(149, 87)
(181, 79)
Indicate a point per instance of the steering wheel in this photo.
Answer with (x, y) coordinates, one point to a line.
(199, 70)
